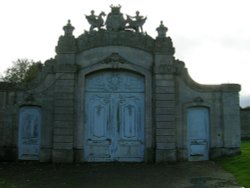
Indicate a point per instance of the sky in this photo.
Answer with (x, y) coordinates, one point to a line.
(212, 37)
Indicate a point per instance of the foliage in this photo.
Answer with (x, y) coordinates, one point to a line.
(22, 71)
(239, 165)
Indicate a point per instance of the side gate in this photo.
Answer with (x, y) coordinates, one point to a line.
(29, 133)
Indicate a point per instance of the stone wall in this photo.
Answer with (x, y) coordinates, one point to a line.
(8, 122)
(245, 123)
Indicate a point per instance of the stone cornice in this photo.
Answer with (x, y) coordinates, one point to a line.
(107, 38)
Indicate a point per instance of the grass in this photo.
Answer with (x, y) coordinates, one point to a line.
(239, 165)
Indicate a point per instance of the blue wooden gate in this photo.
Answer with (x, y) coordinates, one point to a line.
(198, 133)
(29, 133)
(114, 112)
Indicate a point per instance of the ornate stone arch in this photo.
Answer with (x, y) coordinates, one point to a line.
(113, 62)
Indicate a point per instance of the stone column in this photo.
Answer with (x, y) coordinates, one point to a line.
(231, 118)
(64, 118)
(164, 98)
(64, 94)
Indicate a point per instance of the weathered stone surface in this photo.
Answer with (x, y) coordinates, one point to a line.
(163, 110)
(63, 145)
(164, 118)
(165, 139)
(64, 139)
(62, 155)
(169, 90)
(165, 146)
(64, 103)
(63, 124)
(167, 132)
(165, 104)
(124, 38)
(63, 131)
(245, 122)
(64, 117)
(166, 83)
(165, 155)
(165, 125)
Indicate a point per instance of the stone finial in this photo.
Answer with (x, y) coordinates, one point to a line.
(68, 29)
(67, 42)
(162, 30)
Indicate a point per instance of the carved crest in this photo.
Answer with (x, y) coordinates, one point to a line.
(114, 59)
(115, 21)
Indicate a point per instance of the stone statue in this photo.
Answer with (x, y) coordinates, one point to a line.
(115, 20)
(136, 22)
(95, 21)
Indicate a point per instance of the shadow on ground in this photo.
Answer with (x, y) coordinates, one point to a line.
(114, 175)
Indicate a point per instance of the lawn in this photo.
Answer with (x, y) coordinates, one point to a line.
(239, 165)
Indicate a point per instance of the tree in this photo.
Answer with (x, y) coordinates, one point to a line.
(22, 71)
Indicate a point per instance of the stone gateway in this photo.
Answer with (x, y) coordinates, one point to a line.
(115, 93)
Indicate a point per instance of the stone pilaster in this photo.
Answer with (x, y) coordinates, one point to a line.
(165, 117)
(231, 118)
(164, 97)
(64, 119)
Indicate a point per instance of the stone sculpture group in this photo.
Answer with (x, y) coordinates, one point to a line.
(115, 21)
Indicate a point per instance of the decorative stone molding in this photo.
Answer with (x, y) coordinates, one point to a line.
(115, 60)
(164, 45)
(107, 38)
(67, 43)
(162, 30)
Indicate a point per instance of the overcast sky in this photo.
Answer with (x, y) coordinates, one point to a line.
(212, 37)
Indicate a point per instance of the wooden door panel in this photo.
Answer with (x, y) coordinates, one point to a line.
(114, 108)
(29, 133)
(198, 140)
(131, 120)
(98, 127)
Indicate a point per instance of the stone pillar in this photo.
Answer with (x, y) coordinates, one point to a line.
(64, 94)
(64, 119)
(164, 98)
(231, 118)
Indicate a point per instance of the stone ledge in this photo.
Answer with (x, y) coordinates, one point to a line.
(123, 38)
